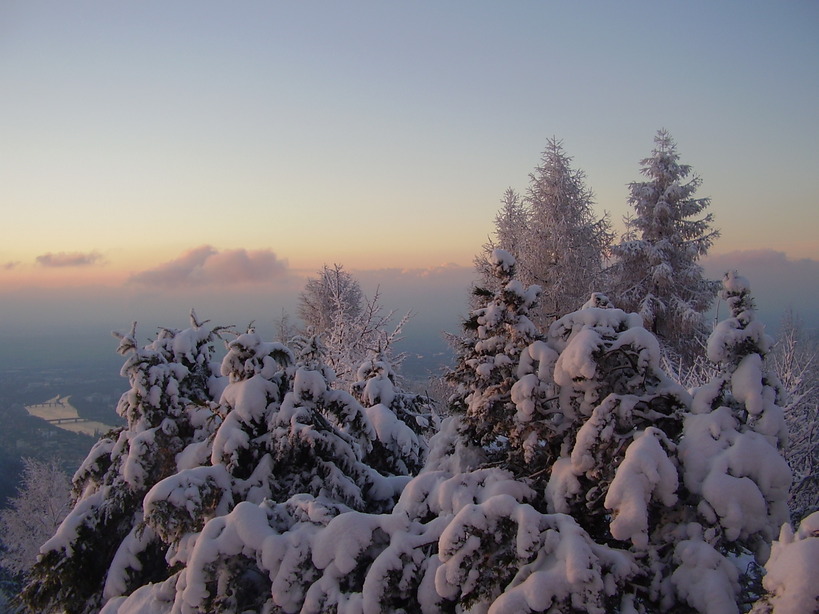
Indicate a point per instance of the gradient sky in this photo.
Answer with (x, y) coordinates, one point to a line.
(153, 146)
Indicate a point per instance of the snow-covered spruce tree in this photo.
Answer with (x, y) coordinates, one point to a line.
(102, 547)
(464, 535)
(619, 474)
(656, 271)
(496, 334)
(342, 439)
(554, 235)
(470, 533)
(795, 361)
(732, 447)
(403, 421)
(288, 457)
(352, 325)
(34, 514)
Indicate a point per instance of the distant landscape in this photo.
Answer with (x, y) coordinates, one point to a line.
(59, 412)
(93, 392)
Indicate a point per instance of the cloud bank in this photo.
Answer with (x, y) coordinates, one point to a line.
(206, 265)
(69, 259)
(777, 282)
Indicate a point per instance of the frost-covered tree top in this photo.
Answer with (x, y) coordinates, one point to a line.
(554, 234)
(656, 271)
(333, 290)
(351, 325)
(510, 222)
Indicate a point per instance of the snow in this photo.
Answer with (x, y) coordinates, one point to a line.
(735, 283)
(181, 502)
(562, 486)
(648, 347)
(83, 514)
(645, 474)
(502, 259)
(541, 354)
(308, 384)
(746, 384)
(126, 557)
(377, 389)
(524, 396)
(249, 398)
(343, 540)
(577, 359)
(605, 321)
(392, 431)
(568, 569)
(598, 300)
(705, 579)
(736, 500)
(791, 570)
(148, 599)
(740, 474)
(141, 446)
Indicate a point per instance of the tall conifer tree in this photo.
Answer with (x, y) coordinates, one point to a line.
(656, 271)
(554, 235)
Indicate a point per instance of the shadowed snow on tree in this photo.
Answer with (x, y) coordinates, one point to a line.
(734, 440)
(790, 579)
(497, 333)
(737, 432)
(403, 422)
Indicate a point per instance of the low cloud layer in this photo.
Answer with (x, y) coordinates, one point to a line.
(777, 282)
(206, 265)
(69, 259)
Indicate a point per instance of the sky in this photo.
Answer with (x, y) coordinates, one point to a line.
(157, 156)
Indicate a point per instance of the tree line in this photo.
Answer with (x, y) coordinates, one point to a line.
(598, 448)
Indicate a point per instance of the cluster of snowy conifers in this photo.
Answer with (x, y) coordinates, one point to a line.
(567, 474)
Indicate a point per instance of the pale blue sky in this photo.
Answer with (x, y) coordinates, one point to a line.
(380, 134)
(349, 130)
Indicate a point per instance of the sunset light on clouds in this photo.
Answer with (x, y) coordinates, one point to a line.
(164, 152)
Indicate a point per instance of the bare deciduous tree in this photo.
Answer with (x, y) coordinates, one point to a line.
(34, 514)
(795, 362)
